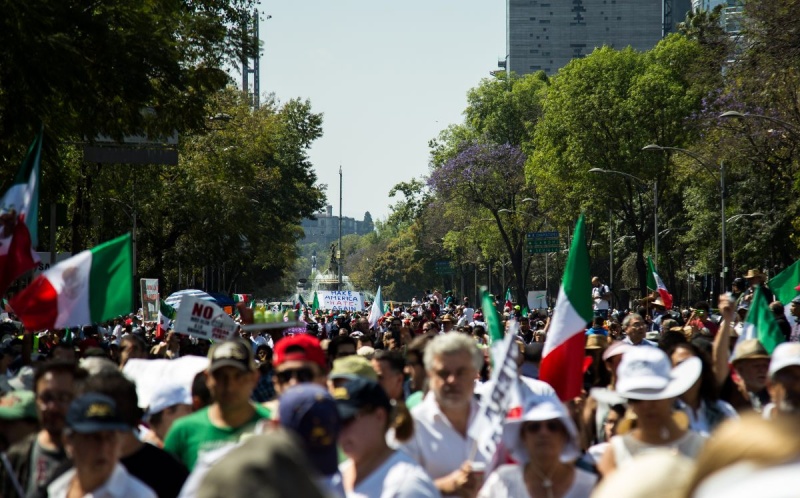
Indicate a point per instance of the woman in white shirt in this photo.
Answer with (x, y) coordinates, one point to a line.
(373, 469)
(650, 384)
(545, 443)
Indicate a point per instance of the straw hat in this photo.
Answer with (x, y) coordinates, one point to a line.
(754, 273)
(596, 341)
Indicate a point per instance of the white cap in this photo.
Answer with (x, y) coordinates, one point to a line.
(166, 396)
(646, 373)
(784, 355)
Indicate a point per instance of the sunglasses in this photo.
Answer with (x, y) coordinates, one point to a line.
(302, 374)
(534, 427)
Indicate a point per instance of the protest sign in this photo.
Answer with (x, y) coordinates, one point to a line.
(487, 428)
(203, 319)
(341, 300)
(537, 300)
(150, 299)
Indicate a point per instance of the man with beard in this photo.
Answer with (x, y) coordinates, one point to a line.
(784, 381)
(441, 443)
(34, 459)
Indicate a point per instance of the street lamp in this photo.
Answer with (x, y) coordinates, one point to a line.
(742, 115)
(710, 171)
(740, 216)
(655, 199)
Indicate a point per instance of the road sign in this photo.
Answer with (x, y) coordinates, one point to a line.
(444, 268)
(542, 242)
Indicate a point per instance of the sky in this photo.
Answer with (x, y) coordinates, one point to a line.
(387, 77)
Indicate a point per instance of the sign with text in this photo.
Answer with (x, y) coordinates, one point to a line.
(150, 299)
(537, 300)
(542, 242)
(204, 320)
(44, 261)
(341, 300)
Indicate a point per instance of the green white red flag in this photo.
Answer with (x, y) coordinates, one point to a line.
(19, 216)
(166, 314)
(760, 323)
(562, 358)
(655, 283)
(90, 287)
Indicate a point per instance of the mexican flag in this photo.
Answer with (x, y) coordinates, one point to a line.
(493, 324)
(166, 314)
(760, 323)
(562, 358)
(301, 301)
(315, 304)
(90, 287)
(784, 284)
(376, 310)
(509, 302)
(19, 215)
(655, 283)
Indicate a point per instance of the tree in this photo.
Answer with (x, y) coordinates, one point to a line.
(598, 113)
(88, 68)
(489, 177)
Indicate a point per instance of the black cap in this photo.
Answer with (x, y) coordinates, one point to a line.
(233, 353)
(94, 412)
(358, 393)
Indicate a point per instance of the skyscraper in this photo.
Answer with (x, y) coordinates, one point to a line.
(547, 34)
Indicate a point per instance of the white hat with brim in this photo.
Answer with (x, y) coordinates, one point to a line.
(746, 479)
(540, 408)
(646, 373)
(616, 348)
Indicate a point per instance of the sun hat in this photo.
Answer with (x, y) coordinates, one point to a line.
(786, 354)
(754, 273)
(165, 396)
(647, 374)
(596, 341)
(749, 349)
(616, 348)
(352, 367)
(657, 472)
(540, 408)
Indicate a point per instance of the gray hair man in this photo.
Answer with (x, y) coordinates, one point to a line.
(441, 444)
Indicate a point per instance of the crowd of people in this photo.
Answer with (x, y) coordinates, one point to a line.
(673, 405)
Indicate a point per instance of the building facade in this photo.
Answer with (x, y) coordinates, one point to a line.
(324, 230)
(546, 34)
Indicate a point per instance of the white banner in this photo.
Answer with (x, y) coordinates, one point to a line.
(537, 300)
(340, 300)
(203, 319)
(487, 428)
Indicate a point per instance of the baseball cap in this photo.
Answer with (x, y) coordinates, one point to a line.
(357, 393)
(167, 395)
(749, 349)
(233, 353)
(94, 412)
(352, 367)
(784, 355)
(299, 348)
(310, 411)
(18, 405)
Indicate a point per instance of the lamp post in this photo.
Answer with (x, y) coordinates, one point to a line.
(655, 200)
(743, 115)
(737, 217)
(709, 170)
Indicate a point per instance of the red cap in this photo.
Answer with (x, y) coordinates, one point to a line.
(303, 347)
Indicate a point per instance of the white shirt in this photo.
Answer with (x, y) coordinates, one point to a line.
(260, 340)
(120, 485)
(508, 480)
(398, 477)
(436, 446)
(645, 342)
(599, 302)
(698, 421)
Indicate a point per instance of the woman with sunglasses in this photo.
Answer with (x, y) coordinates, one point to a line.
(373, 469)
(545, 443)
(647, 380)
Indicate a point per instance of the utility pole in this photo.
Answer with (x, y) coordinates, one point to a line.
(339, 256)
